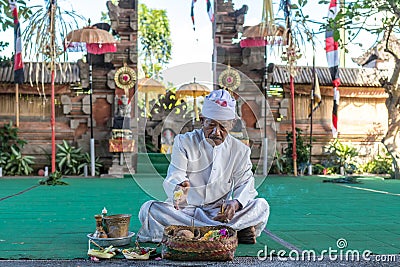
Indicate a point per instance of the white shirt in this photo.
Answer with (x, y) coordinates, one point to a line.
(214, 173)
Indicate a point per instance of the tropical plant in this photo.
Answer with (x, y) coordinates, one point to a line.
(3, 158)
(85, 160)
(357, 16)
(9, 138)
(302, 150)
(279, 164)
(71, 160)
(318, 168)
(17, 164)
(7, 21)
(11, 158)
(154, 38)
(379, 165)
(53, 179)
(6, 18)
(342, 155)
(68, 158)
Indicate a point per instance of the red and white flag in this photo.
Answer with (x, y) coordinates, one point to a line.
(18, 64)
(192, 13)
(332, 56)
(210, 11)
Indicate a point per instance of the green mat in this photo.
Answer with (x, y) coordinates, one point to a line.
(51, 222)
(313, 215)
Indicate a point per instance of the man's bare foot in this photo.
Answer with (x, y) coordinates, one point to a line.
(247, 235)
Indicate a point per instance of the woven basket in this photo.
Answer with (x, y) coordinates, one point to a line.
(178, 248)
(117, 225)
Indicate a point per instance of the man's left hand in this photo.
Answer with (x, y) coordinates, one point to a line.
(227, 212)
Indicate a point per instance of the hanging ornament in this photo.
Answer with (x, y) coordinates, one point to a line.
(229, 79)
(125, 78)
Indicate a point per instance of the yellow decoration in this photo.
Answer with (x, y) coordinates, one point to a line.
(229, 79)
(178, 194)
(125, 78)
(137, 253)
(119, 145)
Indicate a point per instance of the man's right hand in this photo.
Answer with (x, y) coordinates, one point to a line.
(180, 193)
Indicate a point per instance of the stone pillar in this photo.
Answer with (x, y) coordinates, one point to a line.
(124, 139)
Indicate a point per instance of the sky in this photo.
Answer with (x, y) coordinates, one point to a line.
(196, 46)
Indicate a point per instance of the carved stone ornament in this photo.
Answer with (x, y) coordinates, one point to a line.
(229, 79)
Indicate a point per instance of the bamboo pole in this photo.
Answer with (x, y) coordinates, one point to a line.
(17, 105)
(294, 155)
(52, 67)
(196, 111)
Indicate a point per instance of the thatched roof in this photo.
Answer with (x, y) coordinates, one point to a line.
(66, 73)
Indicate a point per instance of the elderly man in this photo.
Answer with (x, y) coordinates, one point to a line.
(209, 180)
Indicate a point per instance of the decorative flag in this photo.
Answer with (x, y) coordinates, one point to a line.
(75, 47)
(332, 56)
(192, 13)
(316, 93)
(210, 11)
(18, 64)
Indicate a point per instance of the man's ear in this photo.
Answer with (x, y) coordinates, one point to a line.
(201, 117)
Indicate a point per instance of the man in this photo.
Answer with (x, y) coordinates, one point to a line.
(209, 180)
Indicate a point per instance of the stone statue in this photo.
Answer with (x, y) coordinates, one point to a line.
(122, 115)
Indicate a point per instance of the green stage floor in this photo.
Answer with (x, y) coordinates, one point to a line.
(51, 222)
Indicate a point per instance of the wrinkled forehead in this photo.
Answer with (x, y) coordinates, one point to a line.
(225, 124)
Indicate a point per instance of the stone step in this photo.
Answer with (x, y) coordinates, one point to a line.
(147, 162)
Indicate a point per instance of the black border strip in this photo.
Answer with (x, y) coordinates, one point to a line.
(281, 241)
(19, 193)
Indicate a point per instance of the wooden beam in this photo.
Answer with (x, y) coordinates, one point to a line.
(27, 89)
(354, 92)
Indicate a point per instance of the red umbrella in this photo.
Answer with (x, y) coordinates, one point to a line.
(258, 35)
(94, 41)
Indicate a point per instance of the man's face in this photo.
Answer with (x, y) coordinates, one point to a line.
(216, 131)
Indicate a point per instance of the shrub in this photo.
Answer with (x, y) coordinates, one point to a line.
(87, 161)
(68, 158)
(342, 155)
(11, 158)
(53, 179)
(379, 165)
(302, 151)
(17, 164)
(71, 160)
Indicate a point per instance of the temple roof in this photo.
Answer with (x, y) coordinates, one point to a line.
(351, 77)
(68, 73)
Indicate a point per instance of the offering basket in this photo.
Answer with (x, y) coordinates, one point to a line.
(180, 248)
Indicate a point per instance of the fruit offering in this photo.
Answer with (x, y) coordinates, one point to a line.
(215, 235)
(178, 194)
(137, 253)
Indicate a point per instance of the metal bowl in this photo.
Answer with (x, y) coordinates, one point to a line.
(116, 242)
